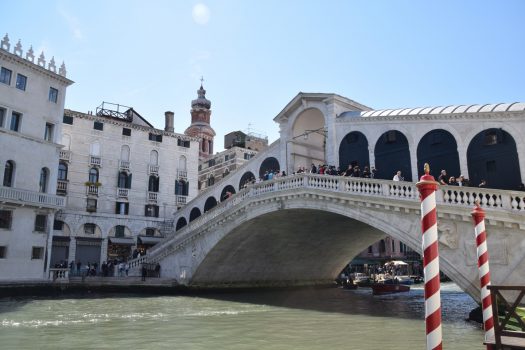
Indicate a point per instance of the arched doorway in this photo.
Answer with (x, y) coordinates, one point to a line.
(308, 142)
(210, 203)
(269, 164)
(246, 178)
(392, 154)
(439, 149)
(180, 223)
(195, 213)
(227, 192)
(353, 150)
(492, 156)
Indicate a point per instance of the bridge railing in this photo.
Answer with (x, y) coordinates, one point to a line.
(400, 190)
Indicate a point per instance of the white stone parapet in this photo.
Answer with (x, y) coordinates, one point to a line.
(8, 194)
(64, 155)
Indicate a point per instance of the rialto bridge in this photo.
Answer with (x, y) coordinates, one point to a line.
(304, 228)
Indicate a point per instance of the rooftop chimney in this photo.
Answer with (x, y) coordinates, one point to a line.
(169, 121)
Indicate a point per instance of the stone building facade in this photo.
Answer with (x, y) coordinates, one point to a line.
(32, 95)
(122, 178)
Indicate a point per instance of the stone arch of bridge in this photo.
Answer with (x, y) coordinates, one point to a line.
(392, 153)
(307, 141)
(210, 203)
(194, 213)
(306, 243)
(353, 149)
(439, 148)
(181, 222)
(224, 193)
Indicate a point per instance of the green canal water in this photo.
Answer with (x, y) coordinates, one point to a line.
(330, 318)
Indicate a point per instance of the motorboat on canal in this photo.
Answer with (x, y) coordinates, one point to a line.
(388, 288)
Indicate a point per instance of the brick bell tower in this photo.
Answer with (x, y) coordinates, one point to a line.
(200, 123)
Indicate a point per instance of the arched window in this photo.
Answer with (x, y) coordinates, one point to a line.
(9, 172)
(124, 153)
(211, 181)
(62, 171)
(44, 176)
(153, 183)
(93, 175)
(181, 187)
(94, 149)
(154, 158)
(182, 163)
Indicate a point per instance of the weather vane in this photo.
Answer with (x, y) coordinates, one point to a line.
(202, 79)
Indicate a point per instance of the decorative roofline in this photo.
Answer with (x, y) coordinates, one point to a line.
(109, 120)
(29, 58)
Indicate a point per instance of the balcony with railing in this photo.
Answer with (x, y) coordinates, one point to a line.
(92, 190)
(18, 196)
(122, 192)
(182, 174)
(95, 161)
(123, 165)
(153, 169)
(64, 155)
(62, 187)
(153, 196)
(181, 200)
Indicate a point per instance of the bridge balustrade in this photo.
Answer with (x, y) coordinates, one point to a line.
(400, 190)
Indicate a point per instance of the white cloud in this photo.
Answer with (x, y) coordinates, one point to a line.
(72, 22)
(201, 14)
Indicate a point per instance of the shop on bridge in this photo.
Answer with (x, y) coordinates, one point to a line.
(119, 248)
(146, 242)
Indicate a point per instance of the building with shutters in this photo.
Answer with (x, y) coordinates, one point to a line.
(32, 95)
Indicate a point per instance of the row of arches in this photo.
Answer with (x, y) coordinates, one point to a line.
(491, 156)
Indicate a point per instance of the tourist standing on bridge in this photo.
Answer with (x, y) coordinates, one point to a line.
(398, 177)
(443, 178)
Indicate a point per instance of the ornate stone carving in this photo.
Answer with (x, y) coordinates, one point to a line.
(42, 60)
(448, 235)
(51, 66)
(30, 55)
(18, 49)
(62, 70)
(4, 44)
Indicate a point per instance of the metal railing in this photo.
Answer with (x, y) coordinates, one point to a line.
(8, 194)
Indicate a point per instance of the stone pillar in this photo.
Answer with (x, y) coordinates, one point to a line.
(371, 156)
(103, 251)
(73, 250)
(413, 162)
(49, 243)
(463, 163)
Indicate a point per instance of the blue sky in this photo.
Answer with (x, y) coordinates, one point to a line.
(255, 56)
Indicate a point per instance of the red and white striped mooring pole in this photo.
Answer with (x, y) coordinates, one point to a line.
(427, 187)
(478, 214)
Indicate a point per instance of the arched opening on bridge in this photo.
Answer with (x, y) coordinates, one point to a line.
(270, 164)
(391, 155)
(246, 178)
(227, 192)
(353, 150)
(194, 213)
(181, 223)
(439, 149)
(492, 156)
(308, 142)
(210, 203)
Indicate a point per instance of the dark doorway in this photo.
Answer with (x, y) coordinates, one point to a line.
(354, 150)
(439, 149)
(210, 203)
(245, 179)
(180, 223)
(227, 192)
(269, 164)
(195, 213)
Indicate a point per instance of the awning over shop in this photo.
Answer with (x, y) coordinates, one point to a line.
(150, 240)
(61, 239)
(122, 240)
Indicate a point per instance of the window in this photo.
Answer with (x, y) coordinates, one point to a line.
(122, 208)
(370, 249)
(15, 121)
(181, 187)
(152, 211)
(150, 232)
(58, 225)
(2, 117)
(6, 217)
(53, 95)
(119, 231)
(211, 162)
(37, 253)
(93, 175)
(89, 229)
(62, 171)
(21, 81)
(153, 184)
(5, 76)
(44, 174)
(492, 137)
(40, 223)
(226, 157)
(247, 156)
(91, 205)
(155, 137)
(3, 251)
(48, 133)
(8, 173)
(154, 158)
(126, 132)
(67, 120)
(98, 126)
(183, 143)
(211, 181)
(124, 180)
